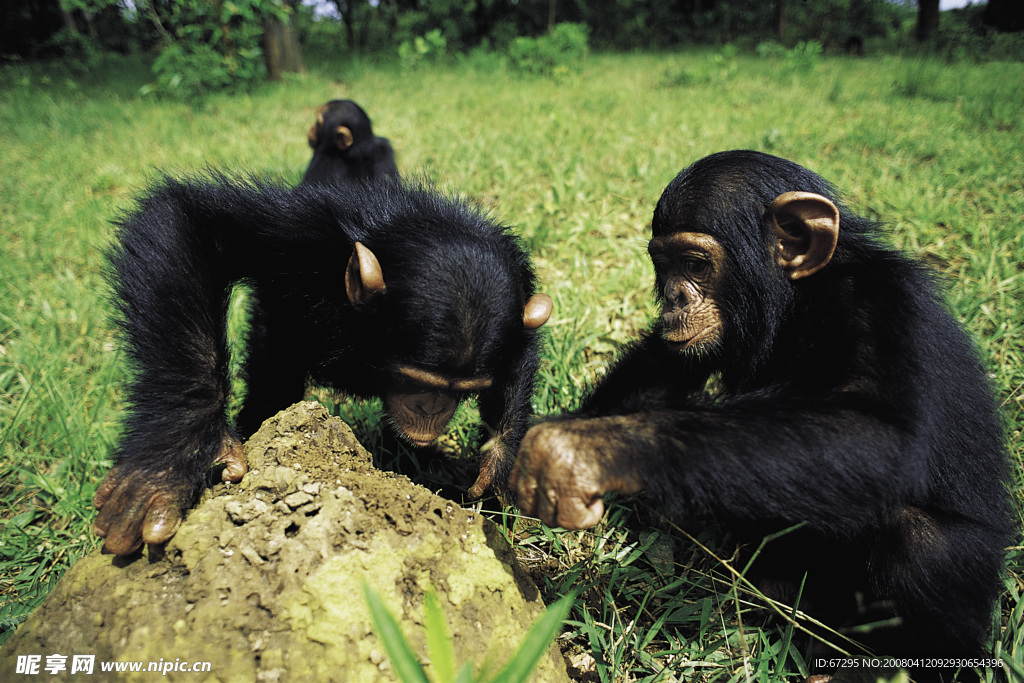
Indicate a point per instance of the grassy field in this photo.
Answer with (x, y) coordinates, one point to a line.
(576, 163)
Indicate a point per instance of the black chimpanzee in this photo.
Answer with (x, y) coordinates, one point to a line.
(848, 399)
(377, 289)
(345, 148)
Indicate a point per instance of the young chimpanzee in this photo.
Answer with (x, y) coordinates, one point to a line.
(345, 148)
(377, 289)
(848, 399)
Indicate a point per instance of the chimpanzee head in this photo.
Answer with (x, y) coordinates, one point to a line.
(339, 125)
(460, 310)
(731, 235)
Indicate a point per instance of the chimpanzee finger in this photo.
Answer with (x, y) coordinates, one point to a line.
(120, 520)
(576, 513)
(546, 503)
(162, 519)
(524, 486)
(233, 457)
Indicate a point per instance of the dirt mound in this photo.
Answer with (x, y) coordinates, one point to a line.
(264, 579)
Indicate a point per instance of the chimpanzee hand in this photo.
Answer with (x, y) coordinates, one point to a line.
(136, 505)
(491, 462)
(564, 468)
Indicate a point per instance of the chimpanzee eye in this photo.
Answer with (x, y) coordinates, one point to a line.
(695, 266)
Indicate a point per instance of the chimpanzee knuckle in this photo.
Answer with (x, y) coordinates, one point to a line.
(232, 455)
(123, 541)
(101, 525)
(546, 507)
(579, 512)
(104, 490)
(525, 499)
(162, 520)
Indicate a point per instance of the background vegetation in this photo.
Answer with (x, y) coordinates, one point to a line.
(574, 152)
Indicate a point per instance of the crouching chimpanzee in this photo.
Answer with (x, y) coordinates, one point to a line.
(377, 289)
(848, 399)
(345, 148)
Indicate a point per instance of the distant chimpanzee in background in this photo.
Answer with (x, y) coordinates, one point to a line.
(848, 399)
(345, 148)
(436, 302)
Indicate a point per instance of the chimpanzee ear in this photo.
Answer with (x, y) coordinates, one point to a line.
(806, 227)
(343, 138)
(537, 311)
(314, 131)
(364, 280)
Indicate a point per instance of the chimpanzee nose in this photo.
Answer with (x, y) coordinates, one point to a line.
(675, 293)
(429, 403)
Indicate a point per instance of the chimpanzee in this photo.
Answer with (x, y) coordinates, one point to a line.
(345, 148)
(843, 396)
(377, 289)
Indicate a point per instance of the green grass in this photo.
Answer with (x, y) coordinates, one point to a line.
(577, 165)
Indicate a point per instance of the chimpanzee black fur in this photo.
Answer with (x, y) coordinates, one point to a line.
(449, 312)
(345, 148)
(848, 399)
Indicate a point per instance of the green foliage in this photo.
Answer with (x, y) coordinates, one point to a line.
(83, 52)
(429, 47)
(804, 57)
(216, 46)
(963, 36)
(483, 59)
(559, 52)
(440, 649)
(717, 67)
(189, 70)
(770, 49)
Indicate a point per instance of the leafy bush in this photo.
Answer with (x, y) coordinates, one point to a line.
(770, 49)
(483, 58)
(804, 57)
(83, 52)
(431, 46)
(214, 47)
(560, 52)
(718, 67)
(188, 71)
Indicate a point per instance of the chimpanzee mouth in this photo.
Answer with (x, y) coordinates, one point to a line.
(675, 340)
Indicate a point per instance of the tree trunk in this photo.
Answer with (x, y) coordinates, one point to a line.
(927, 18)
(347, 13)
(780, 20)
(67, 19)
(281, 50)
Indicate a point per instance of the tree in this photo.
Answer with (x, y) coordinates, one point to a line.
(927, 18)
(221, 44)
(1005, 15)
(281, 49)
(347, 12)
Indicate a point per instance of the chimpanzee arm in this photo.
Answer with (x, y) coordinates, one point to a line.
(172, 267)
(832, 464)
(506, 409)
(647, 377)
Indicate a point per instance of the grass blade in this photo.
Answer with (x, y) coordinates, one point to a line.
(439, 641)
(407, 667)
(535, 643)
